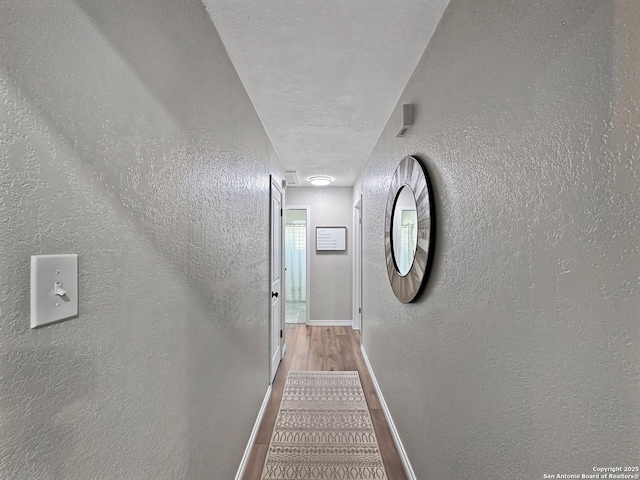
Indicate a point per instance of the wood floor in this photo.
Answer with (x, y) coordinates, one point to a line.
(324, 348)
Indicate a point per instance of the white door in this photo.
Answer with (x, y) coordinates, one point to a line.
(275, 351)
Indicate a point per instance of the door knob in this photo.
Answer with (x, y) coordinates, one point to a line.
(274, 294)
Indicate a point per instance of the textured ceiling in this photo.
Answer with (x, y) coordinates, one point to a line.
(324, 75)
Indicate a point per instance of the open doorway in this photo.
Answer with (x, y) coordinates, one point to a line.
(296, 263)
(357, 266)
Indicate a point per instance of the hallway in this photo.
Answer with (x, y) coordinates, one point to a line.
(324, 349)
(129, 138)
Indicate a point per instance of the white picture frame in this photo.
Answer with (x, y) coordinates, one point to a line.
(331, 239)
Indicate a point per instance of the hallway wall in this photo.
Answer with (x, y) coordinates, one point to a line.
(521, 357)
(331, 272)
(127, 137)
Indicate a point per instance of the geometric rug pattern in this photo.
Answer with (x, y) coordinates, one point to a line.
(323, 431)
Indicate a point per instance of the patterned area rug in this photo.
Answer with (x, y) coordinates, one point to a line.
(323, 431)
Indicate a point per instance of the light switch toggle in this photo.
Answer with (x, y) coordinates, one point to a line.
(58, 290)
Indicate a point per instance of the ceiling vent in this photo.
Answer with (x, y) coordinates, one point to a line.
(407, 119)
(292, 178)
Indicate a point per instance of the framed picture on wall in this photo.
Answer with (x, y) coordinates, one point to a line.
(331, 239)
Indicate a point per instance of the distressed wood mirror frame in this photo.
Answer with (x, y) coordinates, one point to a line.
(411, 173)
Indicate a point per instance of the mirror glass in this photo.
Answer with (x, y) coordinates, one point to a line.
(405, 230)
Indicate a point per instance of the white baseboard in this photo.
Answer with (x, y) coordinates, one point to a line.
(252, 438)
(392, 427)
(330, 323)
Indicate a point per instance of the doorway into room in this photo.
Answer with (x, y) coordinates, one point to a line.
(296, 263)
(357, 266)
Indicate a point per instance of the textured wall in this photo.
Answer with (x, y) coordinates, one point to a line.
(126, 137)
(331, 272)
(521, 357)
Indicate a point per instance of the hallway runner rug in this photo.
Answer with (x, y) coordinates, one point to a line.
(323, 431)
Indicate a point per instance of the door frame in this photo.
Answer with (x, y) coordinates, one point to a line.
(357, 267)
(308, 260)
(279, 322)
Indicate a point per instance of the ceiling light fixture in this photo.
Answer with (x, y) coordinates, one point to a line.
(320, 180)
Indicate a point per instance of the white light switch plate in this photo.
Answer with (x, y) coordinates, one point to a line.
(46, 272)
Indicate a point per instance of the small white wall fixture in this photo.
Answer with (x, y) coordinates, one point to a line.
(407, 119)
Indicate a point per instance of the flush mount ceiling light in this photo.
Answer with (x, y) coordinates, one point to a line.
(320, 180)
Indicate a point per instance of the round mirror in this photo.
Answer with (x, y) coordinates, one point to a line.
(404, 238)
(409, 229)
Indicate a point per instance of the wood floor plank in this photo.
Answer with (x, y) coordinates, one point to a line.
(332, 359)
(347, 352)
(340, 330)
(270, 413)
(315, 358)
(367, 383)
(353, 336)
(256, 462)
(390, 456)
(290, 337)
(299, 360)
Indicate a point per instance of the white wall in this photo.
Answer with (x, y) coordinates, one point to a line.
(521, 357)
(126, 137)
(331, 272)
